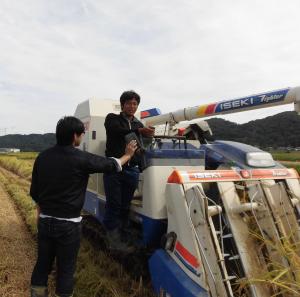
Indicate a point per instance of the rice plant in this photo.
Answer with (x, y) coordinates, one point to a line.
(282, 278)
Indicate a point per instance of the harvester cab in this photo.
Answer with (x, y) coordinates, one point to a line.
(217, 214)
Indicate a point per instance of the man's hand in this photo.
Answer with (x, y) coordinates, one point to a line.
(131, 148)
(147, 132)
(129, 152)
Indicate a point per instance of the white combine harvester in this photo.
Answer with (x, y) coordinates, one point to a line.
(216, 214)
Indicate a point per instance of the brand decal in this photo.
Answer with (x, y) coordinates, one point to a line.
(252, 101)
(280, 173)
(205, 175)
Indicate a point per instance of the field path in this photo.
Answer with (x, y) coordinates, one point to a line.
(17, 250)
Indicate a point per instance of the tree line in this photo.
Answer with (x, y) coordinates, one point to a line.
(280, 130)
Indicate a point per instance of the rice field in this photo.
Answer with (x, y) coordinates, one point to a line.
(286, 156)
(20, 164)
(290, 159)
(97, 273)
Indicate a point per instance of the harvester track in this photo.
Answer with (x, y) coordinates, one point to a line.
(135, 264)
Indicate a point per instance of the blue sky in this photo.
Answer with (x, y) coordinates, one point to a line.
(55, 54)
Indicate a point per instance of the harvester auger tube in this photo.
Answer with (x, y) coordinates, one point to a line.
(257, 101)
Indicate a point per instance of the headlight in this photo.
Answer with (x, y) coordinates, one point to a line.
(259, 159)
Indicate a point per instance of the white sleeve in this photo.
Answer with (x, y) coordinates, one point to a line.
(119, 167)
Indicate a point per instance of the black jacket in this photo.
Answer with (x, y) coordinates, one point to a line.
(60, 176)
(117, 126)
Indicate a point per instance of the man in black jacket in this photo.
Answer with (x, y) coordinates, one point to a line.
(59, 180)
(120, 186)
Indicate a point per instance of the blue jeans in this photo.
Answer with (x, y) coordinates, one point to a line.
(119, 189)
(61, 240)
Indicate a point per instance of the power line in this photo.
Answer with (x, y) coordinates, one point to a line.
(4, 130)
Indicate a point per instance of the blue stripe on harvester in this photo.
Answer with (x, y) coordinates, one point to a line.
(166, 275)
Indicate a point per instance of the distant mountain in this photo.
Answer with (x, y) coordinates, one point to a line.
(28, 143)
(280, 130)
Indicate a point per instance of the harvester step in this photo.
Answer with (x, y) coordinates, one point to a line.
(229, 235)
(235, 257)
(252, 185)
(229, 278)
(240, 187)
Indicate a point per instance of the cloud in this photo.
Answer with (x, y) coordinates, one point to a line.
(54, 54)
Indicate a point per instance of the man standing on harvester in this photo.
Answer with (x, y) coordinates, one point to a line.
(120, 186)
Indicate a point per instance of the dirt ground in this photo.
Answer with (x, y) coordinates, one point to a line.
(17, 250)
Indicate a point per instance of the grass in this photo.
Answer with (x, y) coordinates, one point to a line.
(289, 160)
(24, 155)
(292, 165)
(284, 156)
(18, 164)
(17, 250)
(280, 278)
(97, 273)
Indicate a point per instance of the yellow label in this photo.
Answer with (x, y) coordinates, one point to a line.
(201, 110)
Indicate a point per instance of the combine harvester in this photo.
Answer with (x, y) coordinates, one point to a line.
(215, 214)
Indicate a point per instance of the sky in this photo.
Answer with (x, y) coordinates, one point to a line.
(56, 54)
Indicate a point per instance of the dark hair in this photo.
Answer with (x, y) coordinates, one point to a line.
(129, 95)
(66, 128)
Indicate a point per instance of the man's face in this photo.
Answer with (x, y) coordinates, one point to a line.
(129, 108)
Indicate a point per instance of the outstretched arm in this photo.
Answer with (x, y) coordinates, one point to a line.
(96, 163)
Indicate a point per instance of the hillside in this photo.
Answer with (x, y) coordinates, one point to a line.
(28, 143)
(280, 130)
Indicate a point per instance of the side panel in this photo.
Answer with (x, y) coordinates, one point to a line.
(153, 229)
(166, 274)
(94, 205)
(186, 253)
(153, 188)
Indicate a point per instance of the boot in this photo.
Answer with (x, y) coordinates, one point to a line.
(38, 291)
(127, 233)
(115, 243)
